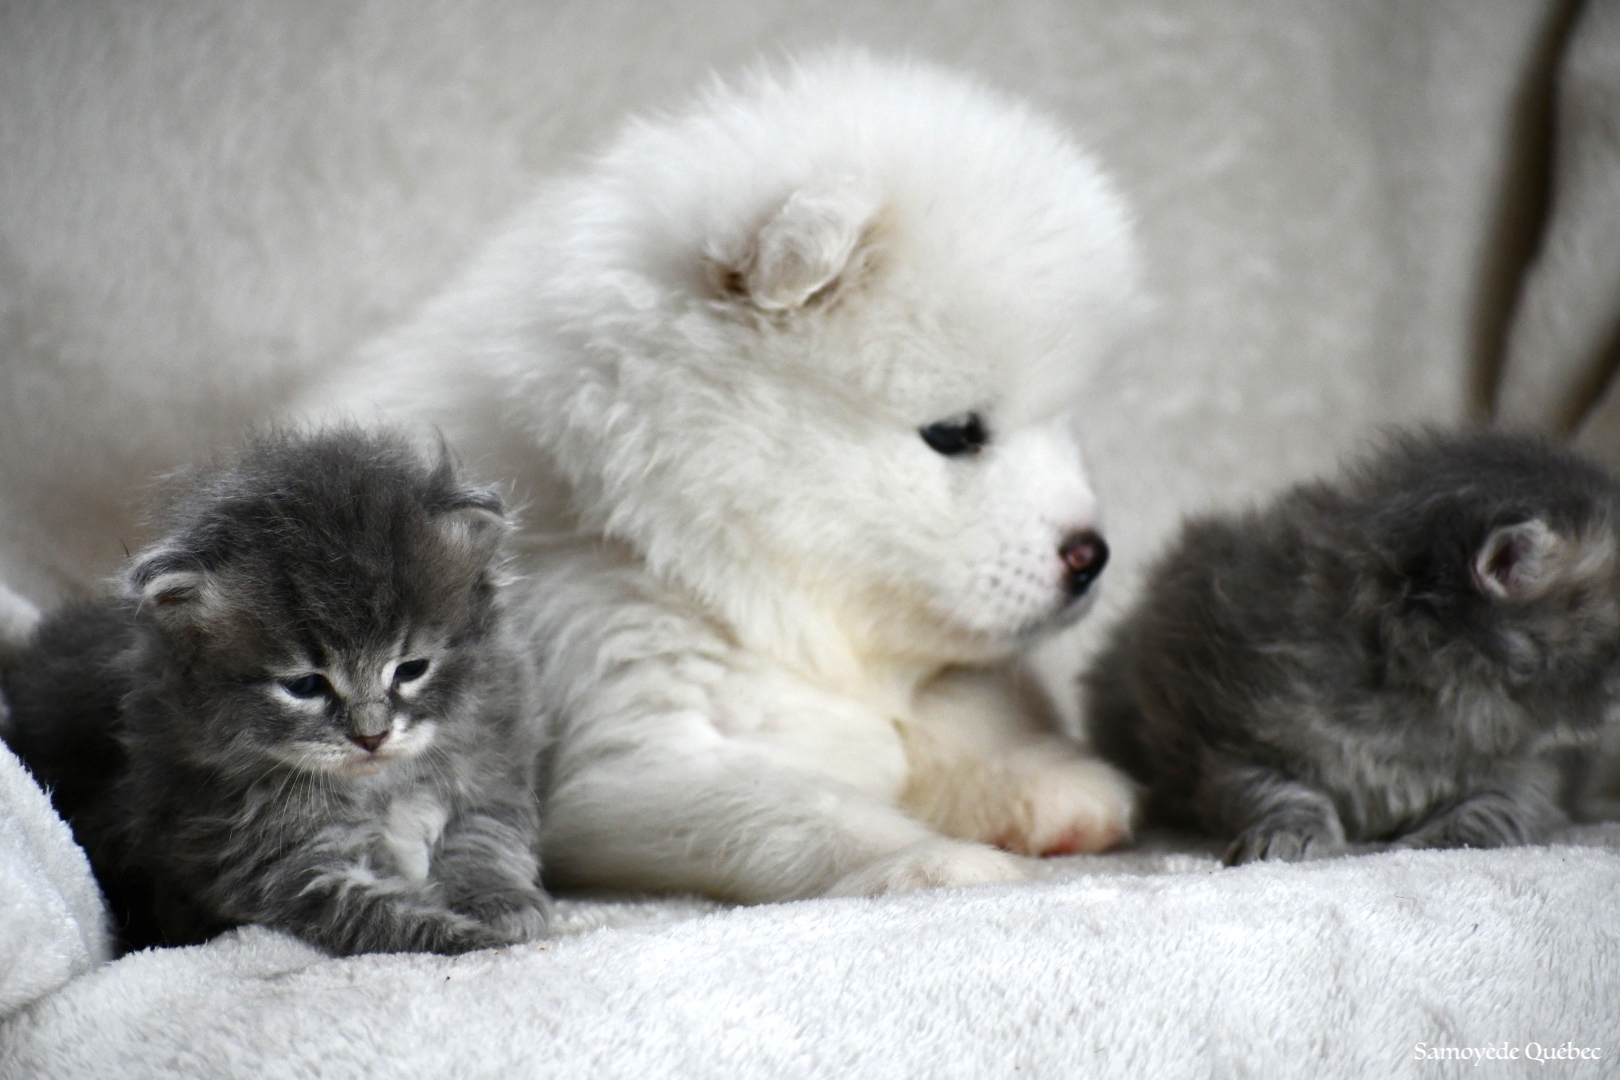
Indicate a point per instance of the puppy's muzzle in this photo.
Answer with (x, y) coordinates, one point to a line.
(1084, 555)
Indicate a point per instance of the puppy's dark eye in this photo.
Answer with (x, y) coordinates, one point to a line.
(958, 435)
(307, 686)
(410, 671)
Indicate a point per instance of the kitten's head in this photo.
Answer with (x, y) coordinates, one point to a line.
(324, 601)
(1502, 554)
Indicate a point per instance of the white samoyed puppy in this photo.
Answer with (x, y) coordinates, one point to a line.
(784, 381)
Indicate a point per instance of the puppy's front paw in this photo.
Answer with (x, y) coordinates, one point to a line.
(1074, 807)
(931, 864)
(1289, 838)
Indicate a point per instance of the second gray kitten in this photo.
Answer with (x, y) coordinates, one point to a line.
(300, 708)
(1385, 658)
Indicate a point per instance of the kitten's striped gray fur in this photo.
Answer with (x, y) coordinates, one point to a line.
(300, 708)
(1386, 658)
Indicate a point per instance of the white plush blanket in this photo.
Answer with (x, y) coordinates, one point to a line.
(1155, 963)
(51, 917)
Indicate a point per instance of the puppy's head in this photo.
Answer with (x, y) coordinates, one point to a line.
(834, 325)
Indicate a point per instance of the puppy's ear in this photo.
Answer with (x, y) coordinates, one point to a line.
(804, 249)
(1519, 562)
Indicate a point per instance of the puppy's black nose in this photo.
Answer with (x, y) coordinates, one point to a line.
(1084, 555)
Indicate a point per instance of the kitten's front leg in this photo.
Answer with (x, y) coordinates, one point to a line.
(342, 892)
(489, 871)
(350, 908)
(1521, 811)
(1273, 816)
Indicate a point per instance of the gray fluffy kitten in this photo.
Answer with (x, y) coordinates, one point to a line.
(1389, 657)
(300, 709)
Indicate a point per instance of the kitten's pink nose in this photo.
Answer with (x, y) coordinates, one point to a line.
(369, 743)
(1084, 555)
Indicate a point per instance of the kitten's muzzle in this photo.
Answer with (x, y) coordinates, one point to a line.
(369, 724)
(1084, 555)
(368, 743)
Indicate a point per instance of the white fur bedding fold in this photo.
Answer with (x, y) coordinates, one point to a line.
(1148, 964)
(51, 919)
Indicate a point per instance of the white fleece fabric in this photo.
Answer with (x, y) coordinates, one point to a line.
(1153, 963)
(52, 925)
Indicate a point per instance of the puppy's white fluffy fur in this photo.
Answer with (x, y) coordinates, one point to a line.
(776, 626)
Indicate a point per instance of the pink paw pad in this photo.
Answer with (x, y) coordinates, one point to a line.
(1079, 841)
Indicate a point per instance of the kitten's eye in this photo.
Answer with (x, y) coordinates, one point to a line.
(958, 435)
(307, 686)
(410, 671)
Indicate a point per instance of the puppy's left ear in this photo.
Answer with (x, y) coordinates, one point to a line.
(1518, 562)
(805, 248)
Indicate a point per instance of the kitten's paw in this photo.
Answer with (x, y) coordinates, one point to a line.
(1286, 841)
(500, 932)
(1486, 821)
(510, 918)
(470, 939)
(931, 864)
(1071, 808)
(520, 924)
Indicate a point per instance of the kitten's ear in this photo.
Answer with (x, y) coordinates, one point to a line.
(168, 583)
(812, 240)
(474, 520)
(1518, 562)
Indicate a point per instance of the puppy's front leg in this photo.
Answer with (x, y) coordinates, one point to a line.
(682, 763)
(730, 820)
(987, 763)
